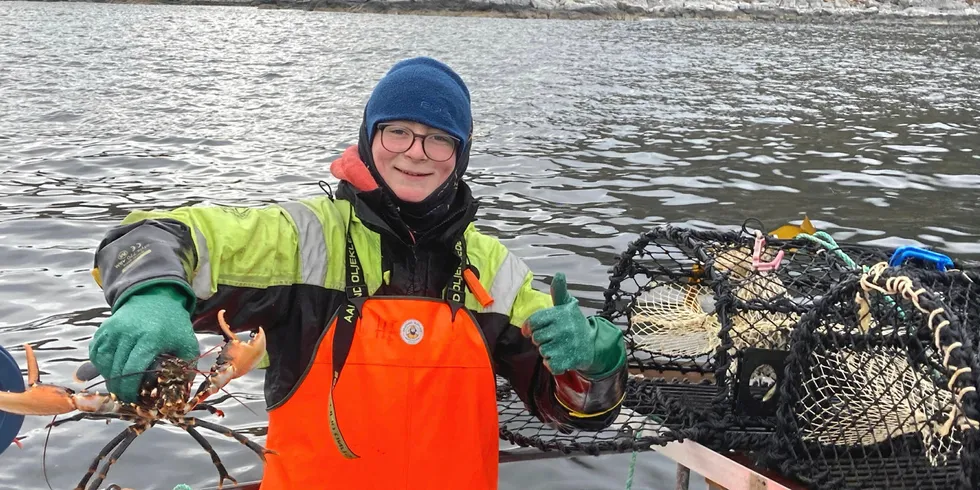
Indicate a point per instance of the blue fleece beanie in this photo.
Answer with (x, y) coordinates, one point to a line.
(422, 90)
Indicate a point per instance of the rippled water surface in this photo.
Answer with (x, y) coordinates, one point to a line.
(587, 133)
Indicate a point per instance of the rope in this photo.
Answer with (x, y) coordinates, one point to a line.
(903, 286)
(629, 476)
(632, 470)
(824, 239)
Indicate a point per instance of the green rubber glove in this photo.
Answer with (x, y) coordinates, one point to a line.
(152, 320)
(567, 340)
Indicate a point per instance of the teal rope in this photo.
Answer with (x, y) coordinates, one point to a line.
(629, 476)
(824, 239)
(828, 242)
(632, 470)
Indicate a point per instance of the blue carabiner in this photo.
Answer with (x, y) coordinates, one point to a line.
(10, 380)
(902, 254)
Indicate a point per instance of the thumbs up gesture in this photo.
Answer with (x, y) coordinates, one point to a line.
(567, 340)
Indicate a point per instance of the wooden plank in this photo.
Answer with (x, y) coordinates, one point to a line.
(716, 467)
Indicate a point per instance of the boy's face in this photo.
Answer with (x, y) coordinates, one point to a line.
(411, 174)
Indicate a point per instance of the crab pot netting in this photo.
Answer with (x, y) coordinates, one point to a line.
(638, 427)
(880, 390)
(655, 410)
(658, 289)
(672, 285)
(758, 310)
(959, 289)
(675, 289)
(693, 300)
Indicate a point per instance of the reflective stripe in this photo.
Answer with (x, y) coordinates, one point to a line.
(507, 284)
(202, 279)
(312, 244)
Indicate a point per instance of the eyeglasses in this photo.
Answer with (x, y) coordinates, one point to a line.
(398, 139)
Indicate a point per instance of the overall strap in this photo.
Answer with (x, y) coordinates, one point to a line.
(343, 336)
(455, 293)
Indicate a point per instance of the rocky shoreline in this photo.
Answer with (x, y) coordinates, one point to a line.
(944, 12)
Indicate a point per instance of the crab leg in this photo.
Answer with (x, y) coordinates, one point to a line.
(259, 450)
(222, 471)
(93, 416)
(213, 410)
(132, 432)
(102, 454)
(42, 399)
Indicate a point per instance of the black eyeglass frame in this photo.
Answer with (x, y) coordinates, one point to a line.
(425, 137)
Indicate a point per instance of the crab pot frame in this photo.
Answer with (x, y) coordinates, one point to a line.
(881, 388)
(711, 396)
(709, 313)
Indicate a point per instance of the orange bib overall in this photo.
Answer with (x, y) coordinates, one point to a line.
(400, 395)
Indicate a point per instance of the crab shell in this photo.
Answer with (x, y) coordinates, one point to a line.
(170, 388)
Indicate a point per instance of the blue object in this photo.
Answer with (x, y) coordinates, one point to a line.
(423, 90)
(902, 254)
(10, 380)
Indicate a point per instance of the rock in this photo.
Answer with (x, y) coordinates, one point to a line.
(811, 10)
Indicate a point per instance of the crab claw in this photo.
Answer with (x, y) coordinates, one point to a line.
(236, 359)
(38, 399)
(240, 357)
(42, 399)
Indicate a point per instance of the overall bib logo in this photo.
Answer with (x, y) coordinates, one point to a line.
(412, 331)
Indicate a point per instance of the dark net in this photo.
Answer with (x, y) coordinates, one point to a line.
(662, 268)
(716, 309)
(759, 307)
(712, 322)
(880, 387)
(639, 426)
